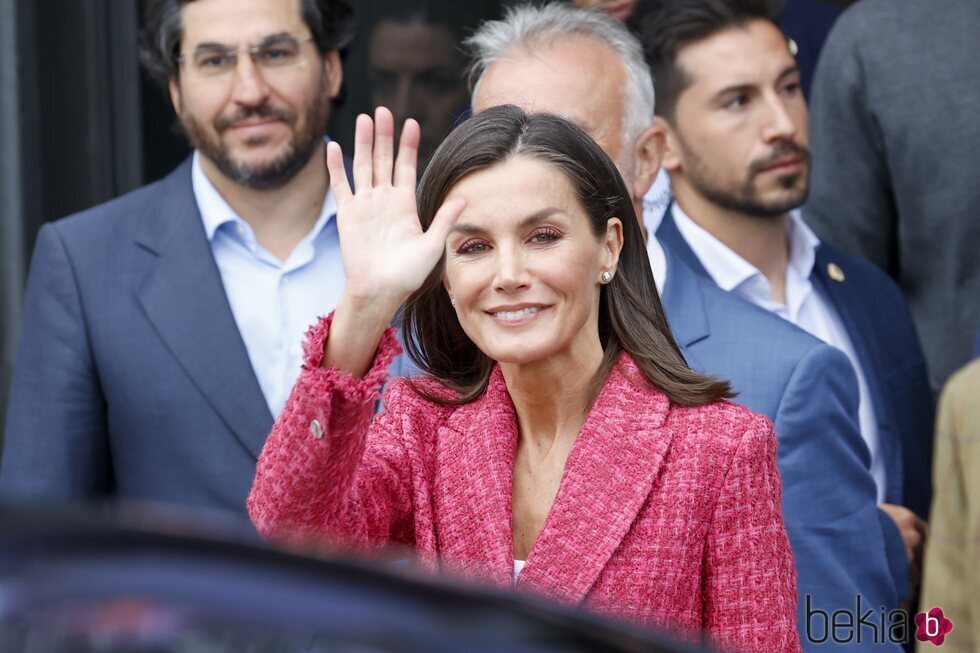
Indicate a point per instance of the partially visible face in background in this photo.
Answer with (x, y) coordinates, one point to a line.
(417, 71)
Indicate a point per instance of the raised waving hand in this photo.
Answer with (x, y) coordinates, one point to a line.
(384, 249)
(386, 254)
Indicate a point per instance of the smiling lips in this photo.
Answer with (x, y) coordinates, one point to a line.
(516, 315)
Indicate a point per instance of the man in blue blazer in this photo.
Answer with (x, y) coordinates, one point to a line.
(162, 331)
(588, 68)
(733, 119)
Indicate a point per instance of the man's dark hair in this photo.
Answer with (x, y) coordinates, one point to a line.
(666, 26)
(329, 21)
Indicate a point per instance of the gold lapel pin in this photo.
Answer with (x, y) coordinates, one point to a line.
(835, 272)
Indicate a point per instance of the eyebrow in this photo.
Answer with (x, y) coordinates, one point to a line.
(789, 70)
(272, 38)
(529, 221)
(742, 88)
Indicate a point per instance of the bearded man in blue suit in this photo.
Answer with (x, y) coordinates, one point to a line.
(586, 67)
(162, 331)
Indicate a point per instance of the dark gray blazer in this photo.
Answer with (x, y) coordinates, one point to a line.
(894, 134)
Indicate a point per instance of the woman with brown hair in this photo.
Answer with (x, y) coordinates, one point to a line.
(558, 442)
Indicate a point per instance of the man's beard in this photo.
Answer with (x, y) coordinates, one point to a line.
(745, 199)
(278, 172)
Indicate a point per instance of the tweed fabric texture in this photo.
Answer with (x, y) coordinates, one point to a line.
(665, 515)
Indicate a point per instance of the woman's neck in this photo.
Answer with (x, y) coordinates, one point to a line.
(552, 397)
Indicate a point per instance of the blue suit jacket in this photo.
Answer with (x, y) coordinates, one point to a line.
(877, 318)
(809, 390)
(880, 326)
(131, 379)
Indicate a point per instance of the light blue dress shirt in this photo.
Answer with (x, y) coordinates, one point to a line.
(274, 302)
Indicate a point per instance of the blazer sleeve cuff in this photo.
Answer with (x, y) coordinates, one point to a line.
(354, 390)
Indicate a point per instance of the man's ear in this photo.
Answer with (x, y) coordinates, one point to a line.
(175, 97)
(334, 70)
(671, 161)
(648, 151)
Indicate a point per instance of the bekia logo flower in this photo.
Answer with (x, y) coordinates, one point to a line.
(932, 626)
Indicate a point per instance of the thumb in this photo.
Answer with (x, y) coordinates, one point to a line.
(444, 220)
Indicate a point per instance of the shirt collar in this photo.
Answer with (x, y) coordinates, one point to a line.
(727, 269)
(658, 261)
(803, 244)
(730, 271)
(215, 211)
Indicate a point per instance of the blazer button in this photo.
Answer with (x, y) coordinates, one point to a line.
(316, 429)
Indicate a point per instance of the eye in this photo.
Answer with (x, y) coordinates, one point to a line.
(213, 60)
(277, 53)
(792, 88)
(546, 235)
(736, 101)
(472, 246)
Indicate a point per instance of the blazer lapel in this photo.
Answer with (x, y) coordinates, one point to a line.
(608, 477)
(684, 303)
(673, 241)
(184, 299)
(476, 454)
(830, 272)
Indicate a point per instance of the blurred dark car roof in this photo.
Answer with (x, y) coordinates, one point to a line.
(87, 582)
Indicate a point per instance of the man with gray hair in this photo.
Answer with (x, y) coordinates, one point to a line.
(611, 97)
(585, 66)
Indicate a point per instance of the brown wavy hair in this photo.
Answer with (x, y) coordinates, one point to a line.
(631, 317)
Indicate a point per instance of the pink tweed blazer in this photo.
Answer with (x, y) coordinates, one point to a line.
(665, 515)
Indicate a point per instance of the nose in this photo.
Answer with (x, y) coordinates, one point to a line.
(250, 87)
(511, 273)
(779, 123)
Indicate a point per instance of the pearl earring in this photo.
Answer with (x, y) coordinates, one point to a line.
(606, 277)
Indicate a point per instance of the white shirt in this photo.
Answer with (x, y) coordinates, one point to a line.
(806, 305)
(658, 262)
(518, 568)
(273, 302)
(655, 202)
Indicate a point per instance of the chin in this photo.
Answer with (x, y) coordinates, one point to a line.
(261, 156)
(789, 201)
(521, 351)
